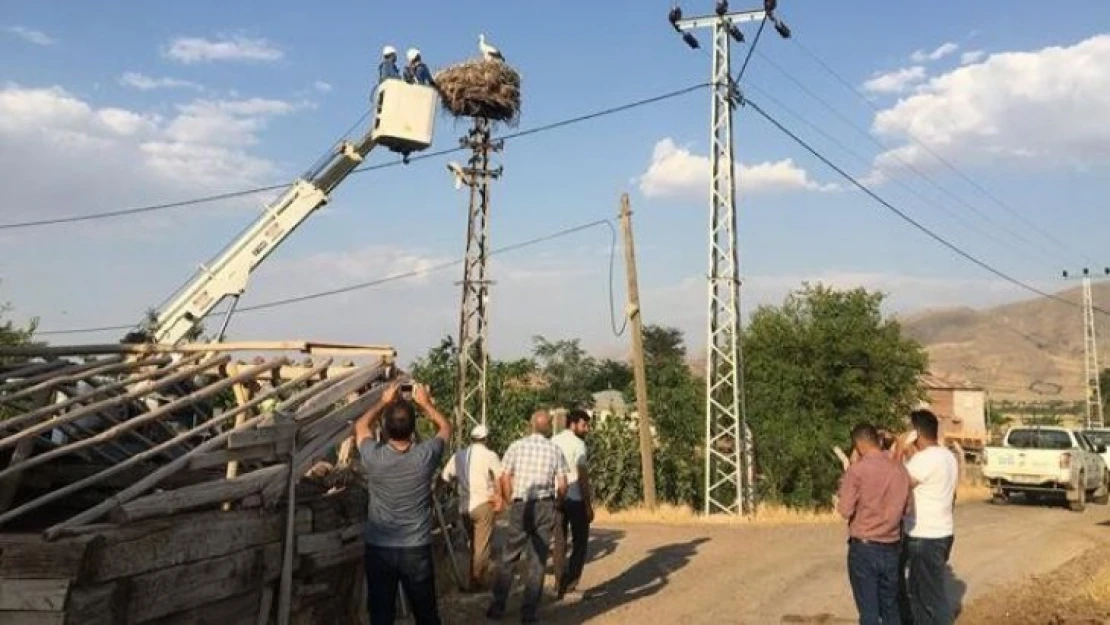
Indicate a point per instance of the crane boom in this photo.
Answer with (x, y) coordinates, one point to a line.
(227, 275)
(403, 122)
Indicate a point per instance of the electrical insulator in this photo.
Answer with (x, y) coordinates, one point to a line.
(783, 29)
(722, 7)
(735, 32)
(1065, 273)
(1086, 272)
(769, 6)
(690, 40)
(674, 15)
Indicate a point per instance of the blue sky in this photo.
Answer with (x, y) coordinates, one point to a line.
(115, 105)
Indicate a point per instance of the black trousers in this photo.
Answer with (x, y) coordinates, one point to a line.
(414, 570)
(570, 519)
(926, 565)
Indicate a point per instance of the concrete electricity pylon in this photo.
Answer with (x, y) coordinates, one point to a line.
(729, 474)
(1090, 352)
(474, 312)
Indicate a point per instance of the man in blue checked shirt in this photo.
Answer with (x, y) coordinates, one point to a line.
(534, 477)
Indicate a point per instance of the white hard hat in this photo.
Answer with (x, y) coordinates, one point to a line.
(389, 50)
(480, 432)
(412, 54)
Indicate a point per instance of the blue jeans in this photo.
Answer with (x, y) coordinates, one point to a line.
(926, 564)
(414, 570)
(873, 573)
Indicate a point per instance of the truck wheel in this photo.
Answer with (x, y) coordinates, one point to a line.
(1102, 493)
(1000, 497)
(1079, 504)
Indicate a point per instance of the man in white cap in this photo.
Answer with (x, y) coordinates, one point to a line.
(387, 69)
(476, 470)
(416, 71)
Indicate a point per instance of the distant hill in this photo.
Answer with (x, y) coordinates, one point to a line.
(1014, 350)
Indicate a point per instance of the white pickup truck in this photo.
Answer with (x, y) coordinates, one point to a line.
(1100, 437)
(1048, 463)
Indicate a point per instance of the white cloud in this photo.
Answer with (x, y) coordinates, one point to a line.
(110, 157)
(143, 82)
(224, 122)
(1049, 105)
(943, 50)
(896, 81)
(974, 56)
(30, 35)
(223, 48)
(677, 172)
(321, 86)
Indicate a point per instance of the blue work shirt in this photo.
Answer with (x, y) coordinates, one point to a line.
(419, 74)
(387, 70)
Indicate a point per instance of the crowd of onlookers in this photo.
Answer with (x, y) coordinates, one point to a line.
(898, 495)
(541, 484)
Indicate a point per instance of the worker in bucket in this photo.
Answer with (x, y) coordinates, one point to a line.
(417, 71)
(387, 69)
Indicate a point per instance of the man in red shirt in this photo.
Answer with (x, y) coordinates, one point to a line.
(874, 495)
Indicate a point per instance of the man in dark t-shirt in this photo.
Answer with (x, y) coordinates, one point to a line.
(399, 519)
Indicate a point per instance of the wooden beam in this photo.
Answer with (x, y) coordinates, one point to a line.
(176, 589)
(192, 497)
(33, 595)
(186, 538)
(41, 413)
(266, 453)
(154, 478)
(240, 346)
(132, 423)
(28, 556)
(10, 485)
(31, 369)
(93, 409)
(83, 372)
(242, 397)
(33, 618)
(279, 433)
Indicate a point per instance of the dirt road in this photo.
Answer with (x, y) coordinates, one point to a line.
(649, 575)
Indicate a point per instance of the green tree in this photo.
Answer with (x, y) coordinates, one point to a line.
(814, 367)
(1104, 386)
(12, 335)
(568, 371)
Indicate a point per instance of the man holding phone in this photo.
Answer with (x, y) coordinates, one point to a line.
(399, 520)
(874, 495)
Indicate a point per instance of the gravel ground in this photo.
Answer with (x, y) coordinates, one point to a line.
(694, 574)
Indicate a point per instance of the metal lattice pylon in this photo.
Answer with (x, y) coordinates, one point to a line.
(474, 312)
(728, 441)
(1090, 360)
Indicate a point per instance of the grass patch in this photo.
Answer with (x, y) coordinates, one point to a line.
(667, 514)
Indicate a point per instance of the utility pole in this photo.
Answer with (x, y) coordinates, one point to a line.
(474, 312)
(647, 441)
(729, 473)
(1091, 371)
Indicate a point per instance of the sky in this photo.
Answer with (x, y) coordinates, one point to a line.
(110, 106)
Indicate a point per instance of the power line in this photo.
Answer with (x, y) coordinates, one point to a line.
(383, 280)
(901, 214)
(915, 170)
(423, 156)
(944, 161)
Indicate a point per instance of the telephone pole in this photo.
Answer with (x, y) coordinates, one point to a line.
(1091, 371)
(729, 486)
(647, 441)
(474, 313)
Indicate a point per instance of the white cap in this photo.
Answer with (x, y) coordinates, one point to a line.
(412, 54)
(388, 50)
(480, 432)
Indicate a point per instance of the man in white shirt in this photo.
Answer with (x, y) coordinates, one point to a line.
(480, 499)
(934, 473)
(576, 512)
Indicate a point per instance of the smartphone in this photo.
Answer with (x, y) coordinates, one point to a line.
(406, 391)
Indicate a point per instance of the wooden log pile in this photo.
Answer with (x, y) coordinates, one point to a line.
(146, 484)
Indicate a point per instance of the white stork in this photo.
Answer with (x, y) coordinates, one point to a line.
(489, 52)
(460, 176)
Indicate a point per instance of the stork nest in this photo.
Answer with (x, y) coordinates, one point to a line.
(480, 88)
